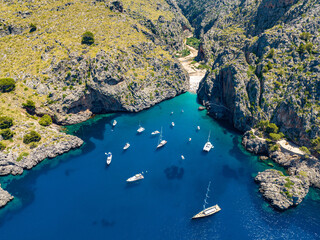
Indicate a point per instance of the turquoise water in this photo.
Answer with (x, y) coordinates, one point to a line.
(76, 196)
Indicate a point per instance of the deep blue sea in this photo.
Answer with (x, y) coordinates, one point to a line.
(76, 196)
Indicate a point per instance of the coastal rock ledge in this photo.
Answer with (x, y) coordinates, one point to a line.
(60, 145)
(282, 191)
(5, 197)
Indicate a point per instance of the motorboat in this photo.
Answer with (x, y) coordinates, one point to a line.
(155, 132)
(109, 157)
(136, 177)
(114, 123)
(126, 146)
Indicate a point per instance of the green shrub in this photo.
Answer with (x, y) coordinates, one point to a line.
(185, 52)
(24, 154)
(45, 120)
(32, 27)
(276, 136)
(193, 42)
(5, 122)
(2, 146)
(305, 36)
(30, 106)
(6, 134)
(31, 137)
(271, 53)
(309, 47)
(87, 38)
(302, 48)
(304, 149)
(33, 145)
(7, 84)
(274, 147)
(272, 128)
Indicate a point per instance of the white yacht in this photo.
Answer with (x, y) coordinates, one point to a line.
(182, 157)
(155, 132)
(126, 146)
(198, 128)
(114, 123)
(140, 129)
(135, 178)
(161, 142)
(207, 211)
(207, 147)
(190, 139)
(109, 157)
(172, 124)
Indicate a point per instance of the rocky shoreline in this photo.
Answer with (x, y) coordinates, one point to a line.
(283, 192)
(10, 165)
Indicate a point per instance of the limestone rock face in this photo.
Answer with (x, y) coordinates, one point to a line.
(10, 165)
(5, 197)
(254, 144)
(282, 192)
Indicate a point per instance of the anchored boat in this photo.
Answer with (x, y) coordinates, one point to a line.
(114, 123)
(109, 157)
(161, 142)
(155, 132)
(140, 129)
(207, 211)
(136, 177)
(207, 147)
(126, 146)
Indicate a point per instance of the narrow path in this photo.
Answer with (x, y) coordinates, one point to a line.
(195, 75)
(284, 144)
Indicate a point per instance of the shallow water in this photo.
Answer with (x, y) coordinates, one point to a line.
(76, 196)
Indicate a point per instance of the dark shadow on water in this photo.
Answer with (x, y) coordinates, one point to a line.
(174, 172)
(67, 172)
(229, 172)
(107, 223)
(132, 184)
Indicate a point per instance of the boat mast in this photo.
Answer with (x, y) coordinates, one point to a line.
(207, 196)
(160, 137)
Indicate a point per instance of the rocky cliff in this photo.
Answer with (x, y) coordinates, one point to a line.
(264, 60)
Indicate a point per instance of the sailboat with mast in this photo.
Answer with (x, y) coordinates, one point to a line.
(207, 211)
(207, 147)
(161, 142)
(140, 129)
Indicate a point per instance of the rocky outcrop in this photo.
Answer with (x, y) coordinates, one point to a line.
(254, 144)
(5, 197)
(282, 191)
(11, 164)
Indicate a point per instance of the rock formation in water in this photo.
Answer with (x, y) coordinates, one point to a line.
(5, 197)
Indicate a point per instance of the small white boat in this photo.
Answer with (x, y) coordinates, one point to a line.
(189, 139)
(171, 113)
(109, 157)
(172, 124)
(135, 178)
(182, 110)
(155, 132)
(161, 142)
(140, 129)
(126, 146)
(182, 157)
(114, 123)
(198, 128)
(208, 146)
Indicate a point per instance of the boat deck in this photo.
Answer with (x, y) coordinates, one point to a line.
(207, 212)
